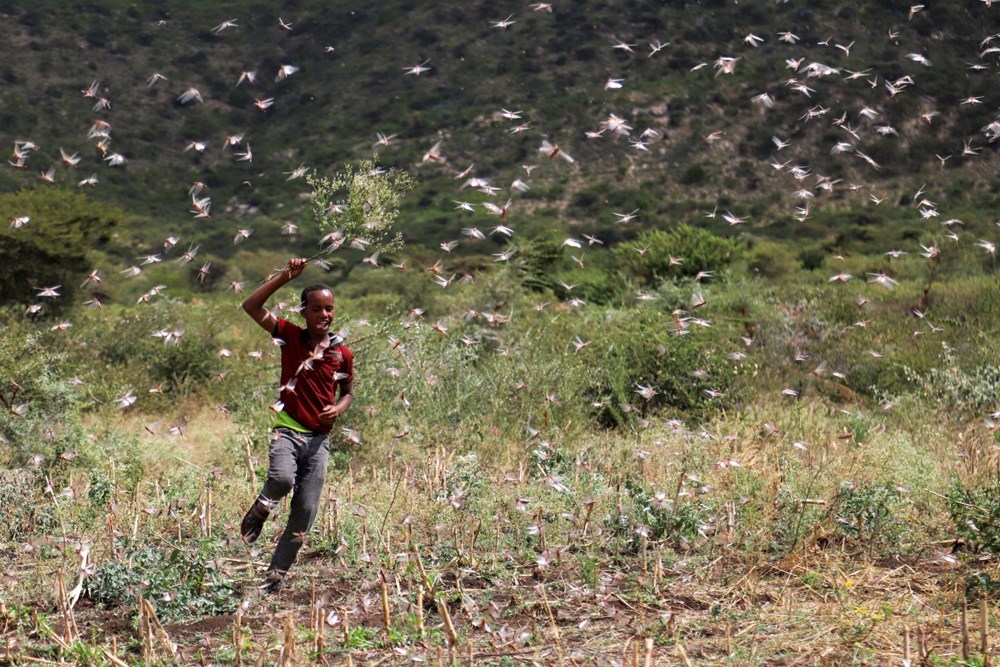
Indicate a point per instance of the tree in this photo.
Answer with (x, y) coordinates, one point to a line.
(48, 242)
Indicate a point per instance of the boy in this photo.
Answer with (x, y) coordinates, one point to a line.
(314, 364)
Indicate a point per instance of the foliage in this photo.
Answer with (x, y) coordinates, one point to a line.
(53, 247)
(40, 407)
(656, 517)
(683, 251)
(975, 513)
(632, 350)
(870, 514)
(954, 386)
(178, 581)
(361, 203)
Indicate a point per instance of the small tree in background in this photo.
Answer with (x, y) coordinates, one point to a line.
(680, 252)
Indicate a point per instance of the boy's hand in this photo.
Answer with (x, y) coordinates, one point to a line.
(329, 414)
(295, 267)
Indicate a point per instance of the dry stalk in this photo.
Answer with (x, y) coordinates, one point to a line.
(589, 505)
(448, 625)
(420, 610)
(152, 622)
(345, 626)
(386, 616)
(684, 655)
(645, 548)
(112, 658)
(965, 629)
(208, 509)
(252, 474)
(238, 638)
(984, 629)
(146, 632)
(649, 652)
(552, 621)
(423, 573)
(288, 642)
(70, 632)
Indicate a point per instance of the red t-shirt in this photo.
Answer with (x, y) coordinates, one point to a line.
(316, 379)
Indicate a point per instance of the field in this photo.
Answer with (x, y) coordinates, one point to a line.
(819, 491)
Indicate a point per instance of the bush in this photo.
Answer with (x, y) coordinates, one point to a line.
(770, 259)
(180, 582)
(39, 414)
(870, 514)
(634, 350)
(53, 247)
(656, 516)
(699, 250)
(976, 516)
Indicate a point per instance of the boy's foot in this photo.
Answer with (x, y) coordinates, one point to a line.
(253, 522)
(274, 581)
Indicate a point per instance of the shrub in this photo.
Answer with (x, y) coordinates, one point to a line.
(976, 516)
(693, 175)
(52, 248)
(870, 514)
(699, 250)
(656, 517)
(634, 350)
(181, 582)
(39, 414)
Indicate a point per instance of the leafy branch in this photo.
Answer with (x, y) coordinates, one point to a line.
(360, 204)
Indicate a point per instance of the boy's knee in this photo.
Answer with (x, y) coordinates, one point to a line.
(280, 485)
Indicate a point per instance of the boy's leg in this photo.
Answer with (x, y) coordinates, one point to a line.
(281, 473)
(305, 502)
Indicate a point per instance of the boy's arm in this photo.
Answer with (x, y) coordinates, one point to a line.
(331, 412)
(254, 304)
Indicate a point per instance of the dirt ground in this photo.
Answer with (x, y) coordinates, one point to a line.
(821, 608)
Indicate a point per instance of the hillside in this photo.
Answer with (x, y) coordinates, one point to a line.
(865, 96)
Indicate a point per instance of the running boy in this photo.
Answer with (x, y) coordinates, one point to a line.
(317, 371)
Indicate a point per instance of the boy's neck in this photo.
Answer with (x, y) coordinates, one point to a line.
(318, 339)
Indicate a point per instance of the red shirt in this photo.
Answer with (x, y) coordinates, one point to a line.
(316, 379)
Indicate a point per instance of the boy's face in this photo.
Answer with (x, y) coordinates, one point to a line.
(318, 312)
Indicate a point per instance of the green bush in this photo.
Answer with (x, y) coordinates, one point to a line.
(53, 247)
(40, 409)
(698, 250)
(870, 514)
(632, 349)
(975, 513)
(657, 517)
(179, 582)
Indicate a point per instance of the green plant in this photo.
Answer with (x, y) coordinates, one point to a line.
(683, 251)
(870, 514)
(975, 513)
(178, 581)
(361, 203)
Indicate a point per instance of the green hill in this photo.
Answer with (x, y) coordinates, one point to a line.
(710, 144)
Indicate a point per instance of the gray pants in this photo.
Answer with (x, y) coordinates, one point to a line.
(297, 462)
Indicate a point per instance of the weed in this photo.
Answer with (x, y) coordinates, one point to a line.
(179, 582)
(869, 513)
